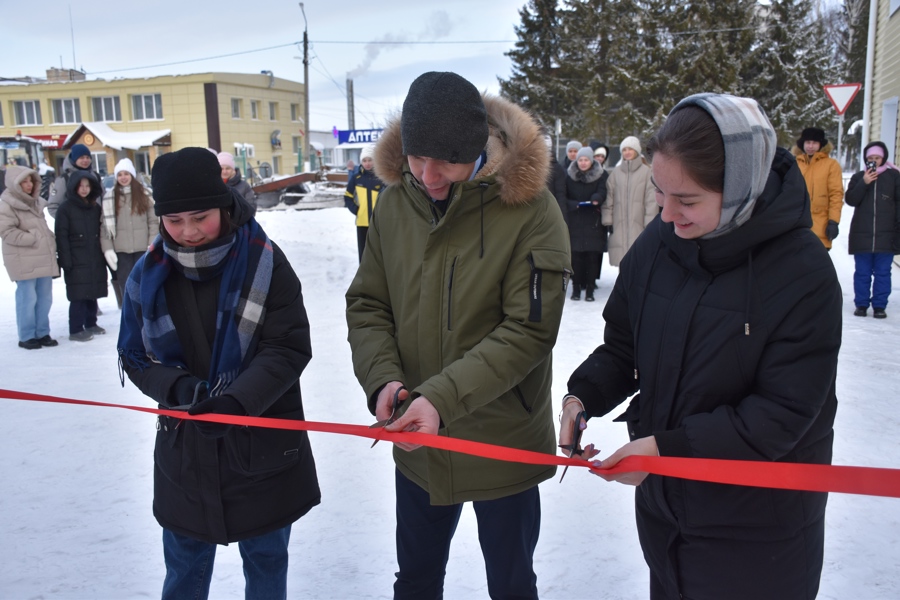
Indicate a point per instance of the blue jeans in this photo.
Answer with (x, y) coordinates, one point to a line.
(189, 566)
(508, 530)
(33, 300)
(869, 266)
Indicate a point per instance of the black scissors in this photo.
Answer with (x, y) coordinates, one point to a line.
(575, 446)
(395, 404)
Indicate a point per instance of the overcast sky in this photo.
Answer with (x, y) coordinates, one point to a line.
(111, 38)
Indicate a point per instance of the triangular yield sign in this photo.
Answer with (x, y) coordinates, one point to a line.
(841, 95)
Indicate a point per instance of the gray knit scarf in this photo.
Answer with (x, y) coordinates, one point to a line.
(750, 142)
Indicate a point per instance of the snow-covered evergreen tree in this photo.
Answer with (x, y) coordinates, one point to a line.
(793, 63)
(537, 80)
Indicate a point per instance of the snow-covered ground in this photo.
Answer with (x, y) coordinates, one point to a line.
(76, 482)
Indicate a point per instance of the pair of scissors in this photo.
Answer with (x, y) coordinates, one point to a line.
(395, 404)
(575, 446)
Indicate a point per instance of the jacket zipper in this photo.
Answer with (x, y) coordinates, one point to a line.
(450, 295)
(874, 214)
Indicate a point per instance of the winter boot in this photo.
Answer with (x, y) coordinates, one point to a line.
(81, 336)
(576, 292)
(48, 342)
(860, 311)
(32, 344)
(118, 290)
(589, 294)
(879, 313)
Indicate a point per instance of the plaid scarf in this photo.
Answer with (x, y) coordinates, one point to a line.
(147, 333)
(750, 142)
(108, 204)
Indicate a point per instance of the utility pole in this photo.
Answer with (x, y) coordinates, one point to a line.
(351, 111)
(305, 145)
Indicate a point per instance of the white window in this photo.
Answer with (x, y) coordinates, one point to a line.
(99, 163)
(297, 142)
(1, 115)
(107, 108)
(273, 111)
(235, 108)
(66, 110)
(142, 162)
(28, 112)
(295, 112)
(246, 150)
(276, 165)
(146, 107)
(254, 109)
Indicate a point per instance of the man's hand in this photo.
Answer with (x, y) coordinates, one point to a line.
(421, 416)
(641, 447)
(385, 397)
(831, 230)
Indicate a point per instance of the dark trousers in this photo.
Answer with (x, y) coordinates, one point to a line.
(82, 314)
(508, 530)
(361, 233)
(585, 269)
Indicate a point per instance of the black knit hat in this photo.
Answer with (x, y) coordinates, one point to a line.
(812, 134)
(444, 118)
(188, 180)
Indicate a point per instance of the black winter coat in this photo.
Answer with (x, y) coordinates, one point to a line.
(556, 183)
(875, 227)
(252, 481)
(586, 232)
(78, 240)
(732, 343)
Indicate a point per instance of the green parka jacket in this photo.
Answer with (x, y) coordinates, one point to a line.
(464, 308)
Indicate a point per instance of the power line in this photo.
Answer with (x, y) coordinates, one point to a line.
(182, 62)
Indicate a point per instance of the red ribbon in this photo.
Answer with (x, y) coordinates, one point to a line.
(867, 481)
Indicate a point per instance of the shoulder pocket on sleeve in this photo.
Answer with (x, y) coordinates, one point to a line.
(552, 265)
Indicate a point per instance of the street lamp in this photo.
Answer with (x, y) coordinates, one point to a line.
(305, 144)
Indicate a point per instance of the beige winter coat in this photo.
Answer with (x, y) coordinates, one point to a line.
(133, 232)
(630, 206)
(29, 246)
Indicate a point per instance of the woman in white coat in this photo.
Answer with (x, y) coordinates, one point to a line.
(630, 200)
(29, 254)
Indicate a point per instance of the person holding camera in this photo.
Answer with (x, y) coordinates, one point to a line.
(874, 194)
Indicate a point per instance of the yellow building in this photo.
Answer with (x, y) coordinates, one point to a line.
(884, 109)
(247, 115)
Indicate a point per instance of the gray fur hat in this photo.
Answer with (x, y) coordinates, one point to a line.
(586, 152)
(444, 118)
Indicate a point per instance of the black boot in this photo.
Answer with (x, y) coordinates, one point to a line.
(589, 294)
(576, 292)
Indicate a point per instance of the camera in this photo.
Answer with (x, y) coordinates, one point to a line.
(871, 165)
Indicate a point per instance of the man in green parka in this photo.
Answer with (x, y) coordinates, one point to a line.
(454, 310)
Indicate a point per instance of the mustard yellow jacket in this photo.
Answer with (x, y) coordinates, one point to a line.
(825, 186)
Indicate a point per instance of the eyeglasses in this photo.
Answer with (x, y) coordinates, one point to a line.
(575, 446)
(395, 403)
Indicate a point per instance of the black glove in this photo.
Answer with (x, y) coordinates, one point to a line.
(219, 405)
(831, 230)
(187, 390)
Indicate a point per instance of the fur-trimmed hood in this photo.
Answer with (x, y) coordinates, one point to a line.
(516, 152)
(589, 176)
